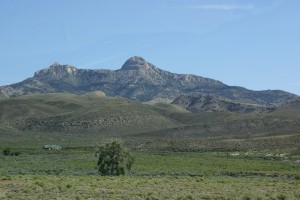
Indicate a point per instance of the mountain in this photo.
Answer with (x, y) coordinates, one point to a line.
(138, 80)
(210, 103)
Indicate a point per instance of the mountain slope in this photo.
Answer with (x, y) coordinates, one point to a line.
(94, 117)
(206, 103)
(137, 79)
(70, 113)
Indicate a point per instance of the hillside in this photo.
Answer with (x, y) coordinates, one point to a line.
(88, 113)
(92, 117)
(209, 103)
(138, 80)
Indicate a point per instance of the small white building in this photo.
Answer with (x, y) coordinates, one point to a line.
(53, 146)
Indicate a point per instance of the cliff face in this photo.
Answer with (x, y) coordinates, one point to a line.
(139, 80)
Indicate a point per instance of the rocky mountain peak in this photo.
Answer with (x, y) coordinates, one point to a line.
(136, 63)
(142, 81)
(56, 69)
(55, 65)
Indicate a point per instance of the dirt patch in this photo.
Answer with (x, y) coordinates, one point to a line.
(5, 182)
(2, 192)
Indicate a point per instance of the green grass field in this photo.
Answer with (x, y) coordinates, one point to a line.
(72, 174)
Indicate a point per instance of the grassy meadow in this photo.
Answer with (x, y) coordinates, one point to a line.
(72, 174)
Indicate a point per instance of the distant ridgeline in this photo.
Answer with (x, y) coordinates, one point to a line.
(142, 81)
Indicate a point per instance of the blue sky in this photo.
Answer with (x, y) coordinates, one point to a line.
(249, 43)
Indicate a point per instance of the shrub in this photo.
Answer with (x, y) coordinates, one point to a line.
(114, 159)
(281, 197)
(17, 153)
(6, 151)
(246, 197)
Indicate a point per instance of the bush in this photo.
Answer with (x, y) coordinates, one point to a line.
(17, 153)
(114, 159)
(6, 151)
(281, 197)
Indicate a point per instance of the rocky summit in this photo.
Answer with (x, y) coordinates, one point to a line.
(139, 80)
(137, 63)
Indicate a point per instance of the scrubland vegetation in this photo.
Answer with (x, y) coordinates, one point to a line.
(178, 155)
(73, 174)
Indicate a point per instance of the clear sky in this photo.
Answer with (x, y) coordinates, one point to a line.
(249, 43)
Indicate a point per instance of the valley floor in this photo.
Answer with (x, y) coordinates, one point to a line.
(145, 187)
(72, 174)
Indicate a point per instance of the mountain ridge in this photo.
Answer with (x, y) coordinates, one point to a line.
(138, 80)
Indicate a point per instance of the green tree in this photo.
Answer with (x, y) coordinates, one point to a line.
(114, 159)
